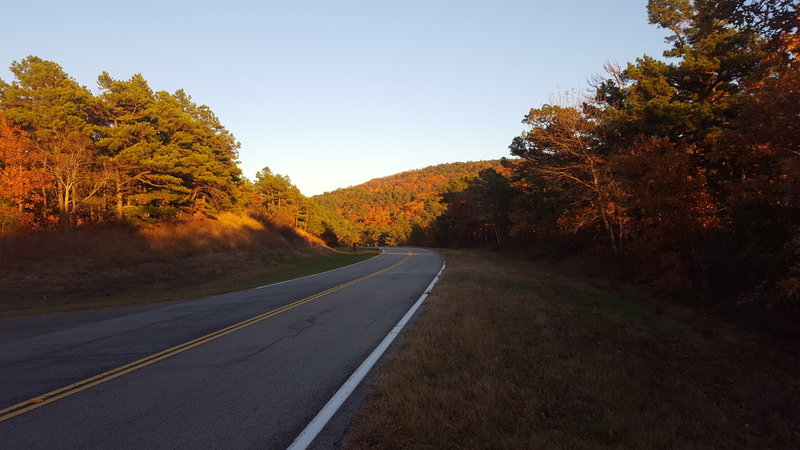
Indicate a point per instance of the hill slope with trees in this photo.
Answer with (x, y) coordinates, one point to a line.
(390, 210)
(682, 172)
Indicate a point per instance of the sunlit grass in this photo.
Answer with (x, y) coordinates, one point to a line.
(113, 265)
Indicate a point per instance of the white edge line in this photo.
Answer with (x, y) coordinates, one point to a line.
(315, 274)
(307, 436)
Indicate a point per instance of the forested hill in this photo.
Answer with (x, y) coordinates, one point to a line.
(386, 210)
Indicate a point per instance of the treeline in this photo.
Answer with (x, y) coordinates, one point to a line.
(392, 210)
(70, 158)
(685, 170)
(681, 173)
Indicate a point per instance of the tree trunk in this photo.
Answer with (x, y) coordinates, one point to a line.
(601, 206)
(498, 235)
(120, 204)
(74, 207)
(63, 206)
(611, 238)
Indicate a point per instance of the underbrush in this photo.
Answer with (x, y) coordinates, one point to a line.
(88, 267)
(710, 280)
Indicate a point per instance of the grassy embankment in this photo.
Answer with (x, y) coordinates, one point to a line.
(509, 354)
(109, 266)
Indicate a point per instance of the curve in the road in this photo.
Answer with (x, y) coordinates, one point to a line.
(66, 391)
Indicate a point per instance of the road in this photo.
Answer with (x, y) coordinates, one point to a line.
(194, 378)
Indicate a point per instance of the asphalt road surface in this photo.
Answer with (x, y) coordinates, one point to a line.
(247, 369)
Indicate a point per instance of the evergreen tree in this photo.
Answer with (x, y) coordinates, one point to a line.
(54, 110)
(281, 198)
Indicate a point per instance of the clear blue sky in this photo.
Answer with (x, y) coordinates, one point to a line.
(334, 93)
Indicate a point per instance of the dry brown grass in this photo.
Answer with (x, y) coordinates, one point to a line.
(510, 355)
(57, 270)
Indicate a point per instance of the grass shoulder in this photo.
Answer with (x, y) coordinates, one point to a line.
(530, 358)
(188, 278)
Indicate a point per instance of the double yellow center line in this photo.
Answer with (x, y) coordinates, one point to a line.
(50, 397)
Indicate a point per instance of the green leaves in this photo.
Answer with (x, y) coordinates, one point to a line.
(281, 199)
(127, 151)
(189, 157)
(45, 101)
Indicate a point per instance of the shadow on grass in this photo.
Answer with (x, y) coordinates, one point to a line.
(511, 355)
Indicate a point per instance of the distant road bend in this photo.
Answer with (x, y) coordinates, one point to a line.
(247, 369)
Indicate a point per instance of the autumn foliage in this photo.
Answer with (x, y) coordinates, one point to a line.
(679, 173)
(685, 170)
(22, 178)
(391, 210)
(71, 158)
(682, 172)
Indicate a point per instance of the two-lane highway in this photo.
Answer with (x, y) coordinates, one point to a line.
(247, 369)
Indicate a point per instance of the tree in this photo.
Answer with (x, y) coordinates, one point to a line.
(561, 149)
(281, 198)
(703, 144)
(126, 139)
(197, 157)
(494, 195)
(163, 152)
(23, 181)
(477, 210)
(128, 152)
(53, 109)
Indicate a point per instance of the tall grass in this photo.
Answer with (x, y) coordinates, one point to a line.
(56, 267)
(125, 245)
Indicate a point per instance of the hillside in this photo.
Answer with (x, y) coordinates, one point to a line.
(386, 210)
(100, 266)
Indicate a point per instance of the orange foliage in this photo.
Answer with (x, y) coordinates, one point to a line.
(665, 191)
(22, 176)
(386, 209)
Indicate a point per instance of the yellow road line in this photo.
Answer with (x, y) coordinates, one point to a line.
(50, 397)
